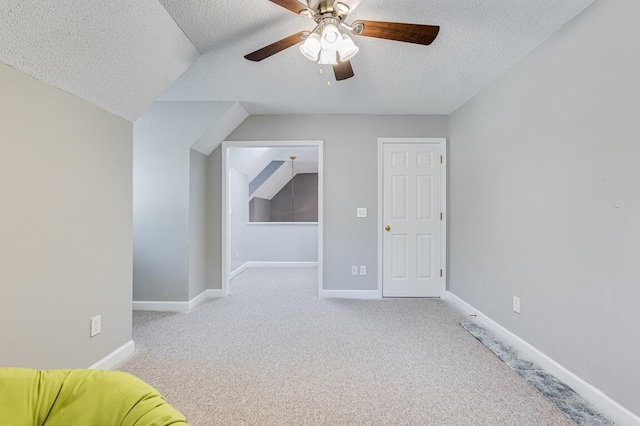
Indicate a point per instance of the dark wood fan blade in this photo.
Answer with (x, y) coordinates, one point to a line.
(276, 47)
(293, 5)
(409, 33)
(343, 70)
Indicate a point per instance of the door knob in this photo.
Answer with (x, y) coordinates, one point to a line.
(387, 228)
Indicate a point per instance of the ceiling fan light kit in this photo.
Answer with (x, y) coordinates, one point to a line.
(331, 37)
(327, 57)
(323, 48)
(325, 43)
(311, 47)
(347, 49)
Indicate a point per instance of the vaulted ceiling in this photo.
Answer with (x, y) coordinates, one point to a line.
(123, 55)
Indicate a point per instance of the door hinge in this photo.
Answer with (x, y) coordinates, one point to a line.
(440, 215)
(440, 273)
(441, 159)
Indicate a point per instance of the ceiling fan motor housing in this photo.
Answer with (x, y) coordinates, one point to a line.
(321, 6)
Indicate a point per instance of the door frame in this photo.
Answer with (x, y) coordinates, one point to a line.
(443, 200)
(225, 237)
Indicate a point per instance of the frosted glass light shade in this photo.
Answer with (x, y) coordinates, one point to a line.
(311, 47)
(327, 57)
(347, 49)
(331, 38)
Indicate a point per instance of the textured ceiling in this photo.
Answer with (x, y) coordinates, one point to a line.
(479, 40)
(122, 55)
(117, 54)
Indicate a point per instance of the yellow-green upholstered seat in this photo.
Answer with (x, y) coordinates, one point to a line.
(81, 397)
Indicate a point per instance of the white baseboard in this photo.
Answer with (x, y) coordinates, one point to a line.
(601, 401)
(197, 300)
(213, 293)
(242, 268)
(281, 264)
(162, 306)
(350, 294)
(238, 271)
(115, 357)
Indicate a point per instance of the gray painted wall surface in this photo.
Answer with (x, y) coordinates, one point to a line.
(65, 226)
(290, 242)
(544, 204)
(214, 219)
(305, 205)
(259, 210)
(162, 138)
(239, 202)
(197, 223)
(350, 180)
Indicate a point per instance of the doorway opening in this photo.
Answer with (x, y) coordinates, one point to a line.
(272, 195)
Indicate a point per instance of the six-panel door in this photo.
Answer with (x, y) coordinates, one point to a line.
(411, 210)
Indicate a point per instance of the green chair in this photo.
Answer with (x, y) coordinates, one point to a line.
(81, 397)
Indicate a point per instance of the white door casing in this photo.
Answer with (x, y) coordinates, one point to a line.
(225, 225)
(412, 245)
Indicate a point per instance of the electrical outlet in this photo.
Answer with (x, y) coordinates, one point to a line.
(354, 270)
(237, 254)
(363, 270)
(516, 304)
(96, 325)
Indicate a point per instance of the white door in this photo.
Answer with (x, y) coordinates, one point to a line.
(411, 242)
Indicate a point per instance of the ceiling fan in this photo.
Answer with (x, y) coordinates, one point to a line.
(328, 45)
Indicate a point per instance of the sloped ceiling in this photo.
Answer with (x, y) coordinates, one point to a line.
(478, 41)
(252, 160)
(117, 54)
(123, 55)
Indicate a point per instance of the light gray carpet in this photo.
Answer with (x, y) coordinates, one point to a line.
(275, 354)
(561, 395)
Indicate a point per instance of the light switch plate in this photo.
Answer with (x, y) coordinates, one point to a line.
(361, 212)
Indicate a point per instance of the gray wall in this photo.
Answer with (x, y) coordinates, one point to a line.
(305, 206)
(282, 242)
(544, 204)
(239, 202)
(214, 219)
(259, 210)
(197, 223)
(350, 179)
(65, 226)
(163, 136)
